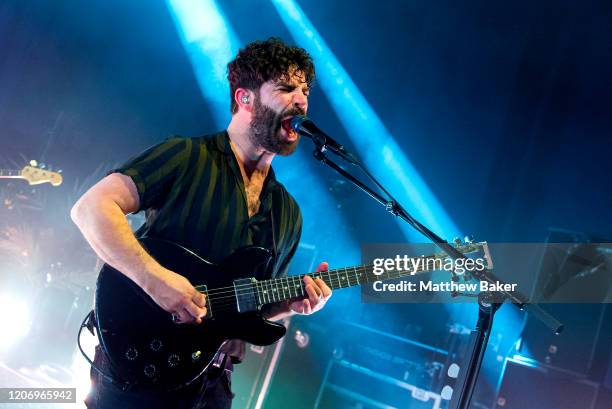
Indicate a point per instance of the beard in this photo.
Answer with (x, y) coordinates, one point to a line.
(266, 129)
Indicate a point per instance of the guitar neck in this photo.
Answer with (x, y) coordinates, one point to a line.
(10, 174)
(285, 288)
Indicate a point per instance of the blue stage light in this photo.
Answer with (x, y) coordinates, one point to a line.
(367, 132)
(210, 43)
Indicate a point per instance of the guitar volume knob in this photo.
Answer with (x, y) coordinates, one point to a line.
(131, 354)
(150, 370)
(173, 360)
(156, 345)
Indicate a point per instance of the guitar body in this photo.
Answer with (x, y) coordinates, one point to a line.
(143, 343)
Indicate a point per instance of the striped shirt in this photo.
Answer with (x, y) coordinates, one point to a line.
(193, 192)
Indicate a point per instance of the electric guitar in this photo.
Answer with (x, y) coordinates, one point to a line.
(146, 347)
(33, 174)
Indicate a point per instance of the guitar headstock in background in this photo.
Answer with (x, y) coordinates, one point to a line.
(34, 174)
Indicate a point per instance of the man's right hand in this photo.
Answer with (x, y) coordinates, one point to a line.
(175, 294)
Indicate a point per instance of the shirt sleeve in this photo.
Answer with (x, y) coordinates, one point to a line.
(156, 170)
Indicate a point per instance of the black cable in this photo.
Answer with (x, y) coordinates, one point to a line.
(85, 324)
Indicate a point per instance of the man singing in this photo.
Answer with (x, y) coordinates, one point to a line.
(211, 194)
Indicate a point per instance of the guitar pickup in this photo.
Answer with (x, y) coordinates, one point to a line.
(246, 299)
(209, 311)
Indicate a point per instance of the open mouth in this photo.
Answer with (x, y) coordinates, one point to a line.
(286, 125)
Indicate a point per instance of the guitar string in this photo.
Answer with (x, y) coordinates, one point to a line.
(361, 269)
(333, 281)
(231, 299)
(275, 282)
(227, 303)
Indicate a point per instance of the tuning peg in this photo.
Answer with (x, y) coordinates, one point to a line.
(43, 166)
(457, 241)
(33, 163)
(469, 239)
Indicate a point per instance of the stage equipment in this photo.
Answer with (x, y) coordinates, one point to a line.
(348, 385)
(529, 384)
(488, 305)
(349, 365)
(252, 378)
(571, 267)
(404, 359)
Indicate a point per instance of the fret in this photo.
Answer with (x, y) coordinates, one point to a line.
(300, 285)
(290, 285)
(257, 293)
(295, 285)
(10, 172)
(283, 286)
(274, 290)
(265, 292)
(329, 280)
(356, 275)
(351, 277)
(275, 293)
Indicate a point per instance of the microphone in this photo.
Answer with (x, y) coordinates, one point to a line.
(304, 126)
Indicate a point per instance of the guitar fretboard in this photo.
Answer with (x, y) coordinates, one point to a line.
(285, 288)
(10, 173)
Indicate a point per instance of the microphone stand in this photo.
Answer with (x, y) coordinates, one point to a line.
(488, 303)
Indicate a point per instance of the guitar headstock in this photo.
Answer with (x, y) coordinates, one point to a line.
(35, 175)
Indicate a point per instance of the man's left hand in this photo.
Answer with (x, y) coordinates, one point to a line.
(318, 293)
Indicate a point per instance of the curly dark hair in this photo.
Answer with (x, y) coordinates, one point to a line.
(262, 61)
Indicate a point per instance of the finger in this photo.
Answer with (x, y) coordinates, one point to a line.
(183, 316)
(200, 300)
(194, 310)
(325, 290)
(308, 280)
(307, 307)
(313, 291)
(324, 266)
(300, 307)
(313, 295)
(191, 319)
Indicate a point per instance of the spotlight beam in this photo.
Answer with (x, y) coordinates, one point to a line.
(210, 43)
(377, 146)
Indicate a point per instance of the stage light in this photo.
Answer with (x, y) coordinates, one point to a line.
(14, 320)
(370, 136)
(210, 43)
